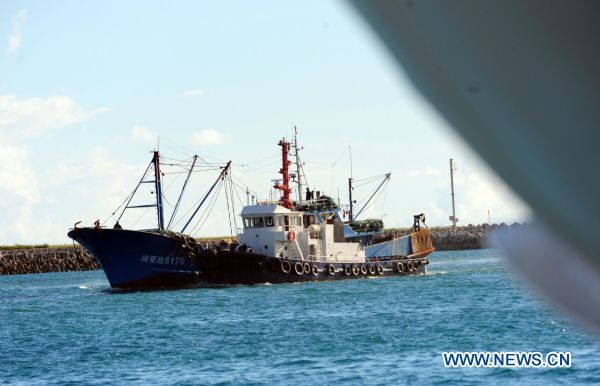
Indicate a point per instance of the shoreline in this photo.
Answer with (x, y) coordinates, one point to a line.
(20, 260)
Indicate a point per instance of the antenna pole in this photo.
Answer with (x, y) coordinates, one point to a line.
(452, 218)
(350, 151)
(298, 166)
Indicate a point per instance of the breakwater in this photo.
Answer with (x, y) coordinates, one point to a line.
(39, 260)
(457, 238)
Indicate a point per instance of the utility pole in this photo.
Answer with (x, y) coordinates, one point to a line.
(489, 222)
(452, 218)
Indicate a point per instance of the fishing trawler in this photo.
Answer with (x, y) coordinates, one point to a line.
(307, 240)
(280, 241)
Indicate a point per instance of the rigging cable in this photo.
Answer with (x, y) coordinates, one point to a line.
(231, 187)
(228, 210)
(207, 211)
(377, 191)
(182, 191)
(135, 190)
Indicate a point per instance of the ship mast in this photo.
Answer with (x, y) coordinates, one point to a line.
(158, 190)
(350, 213)
(285, 172)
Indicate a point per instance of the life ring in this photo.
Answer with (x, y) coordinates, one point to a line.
(291, 236)
(363, 269)
(299, 268)
(306, 268)
(331, 269)
(355, 270)
(286, 267)
(400, 267)
(372, 269)
(410, 266)
(347, 270)
(315, 270)
(379, 269)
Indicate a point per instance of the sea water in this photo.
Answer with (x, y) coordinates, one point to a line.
(69, 328)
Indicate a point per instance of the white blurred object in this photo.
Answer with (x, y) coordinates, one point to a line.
(520, 81)
(560, 272)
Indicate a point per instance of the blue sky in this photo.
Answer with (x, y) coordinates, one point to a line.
(86, 87)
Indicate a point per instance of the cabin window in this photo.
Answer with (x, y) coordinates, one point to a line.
(258, 222)
(269, 221)
(309, 219)
(279, 221)
(247, 222)
(297, 221)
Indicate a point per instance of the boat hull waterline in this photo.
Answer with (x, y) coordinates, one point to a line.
(137, 259)
(140, 260)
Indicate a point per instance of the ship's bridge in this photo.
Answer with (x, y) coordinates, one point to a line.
(273, 216)
(272, 230)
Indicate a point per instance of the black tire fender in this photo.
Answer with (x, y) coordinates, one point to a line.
(331, 269)
(400, 266)
(299, 268)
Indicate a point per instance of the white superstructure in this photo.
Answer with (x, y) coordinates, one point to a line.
(273, 230)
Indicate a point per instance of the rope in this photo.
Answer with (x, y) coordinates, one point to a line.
(228, 210)
(207, 211)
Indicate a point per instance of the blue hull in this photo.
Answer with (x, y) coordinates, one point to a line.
(138, 259)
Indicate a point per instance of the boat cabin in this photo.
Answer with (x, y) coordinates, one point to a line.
(274, 230)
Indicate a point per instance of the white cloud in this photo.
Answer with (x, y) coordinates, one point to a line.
(40, 207)
(479, 191)
(20, 192)
(28, 216)
(19, 183)
(209, 137)
(143, 134)
(15, 39)
(196, 92)
(32, 117)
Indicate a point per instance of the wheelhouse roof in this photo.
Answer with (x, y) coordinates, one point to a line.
(265, 210)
